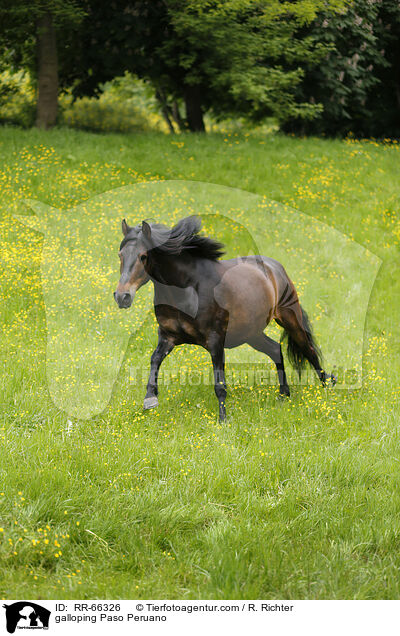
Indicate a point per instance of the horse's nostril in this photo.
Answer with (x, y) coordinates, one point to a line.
(123, 300)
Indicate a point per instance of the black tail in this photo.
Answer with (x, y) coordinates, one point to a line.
(295, 352)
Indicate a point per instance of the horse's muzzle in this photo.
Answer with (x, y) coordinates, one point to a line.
(123, 300)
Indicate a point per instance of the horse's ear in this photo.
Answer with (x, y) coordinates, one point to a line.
(125, 227)
(146, 229)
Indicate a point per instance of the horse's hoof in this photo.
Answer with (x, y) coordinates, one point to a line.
(333, 379)
(283, 395)
(150, 402)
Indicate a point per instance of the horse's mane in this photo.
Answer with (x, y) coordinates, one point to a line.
(183, 237)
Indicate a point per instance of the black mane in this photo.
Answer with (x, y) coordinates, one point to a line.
(183, 237)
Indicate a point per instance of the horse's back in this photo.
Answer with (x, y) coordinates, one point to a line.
(270, 268)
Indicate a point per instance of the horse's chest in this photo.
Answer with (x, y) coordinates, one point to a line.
(180, 329)
(181, 299)
(176, 309)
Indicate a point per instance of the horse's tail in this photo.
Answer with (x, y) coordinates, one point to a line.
(296, 351)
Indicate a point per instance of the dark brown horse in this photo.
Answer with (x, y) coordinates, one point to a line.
(199, 299)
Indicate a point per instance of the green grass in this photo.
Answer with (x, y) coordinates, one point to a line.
(292, 500)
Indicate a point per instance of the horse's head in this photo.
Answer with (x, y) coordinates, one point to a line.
(133, 256)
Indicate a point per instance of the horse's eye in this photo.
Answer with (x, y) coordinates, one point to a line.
(143, 258)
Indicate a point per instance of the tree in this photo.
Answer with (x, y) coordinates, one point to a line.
(47, 71)
(29, 35)
(231, 56)
(384, 101)
(358, 79)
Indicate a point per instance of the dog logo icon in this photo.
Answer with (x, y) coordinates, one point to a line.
(26, 615)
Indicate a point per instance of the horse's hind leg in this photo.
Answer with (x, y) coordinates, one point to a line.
(274, 351)
(291, 319)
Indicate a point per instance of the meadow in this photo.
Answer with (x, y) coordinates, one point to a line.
(298, 499)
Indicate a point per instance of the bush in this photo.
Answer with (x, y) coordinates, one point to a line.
(125, 105)
(17, 98)
(357, 81)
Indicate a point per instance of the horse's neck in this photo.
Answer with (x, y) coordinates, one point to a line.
(173, 270)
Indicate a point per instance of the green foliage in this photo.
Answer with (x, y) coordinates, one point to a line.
(358, 79)
(235, 55)
(131, 89)
(18, 25)
(125, 105)
(384, 101)
(228, 57)
(17, 98)
(316, 66)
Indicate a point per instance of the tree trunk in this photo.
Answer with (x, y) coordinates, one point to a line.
(47, 103)
(194, 111)
(177, 116)
(165, 110)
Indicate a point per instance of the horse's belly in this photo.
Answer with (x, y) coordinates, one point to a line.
(249, 298)
(242, 327)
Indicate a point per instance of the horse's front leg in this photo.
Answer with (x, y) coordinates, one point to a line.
(163, 348)
(216, 349)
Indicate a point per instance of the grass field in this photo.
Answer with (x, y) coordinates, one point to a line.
(292, 500)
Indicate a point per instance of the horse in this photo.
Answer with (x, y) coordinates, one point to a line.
(217, 304)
